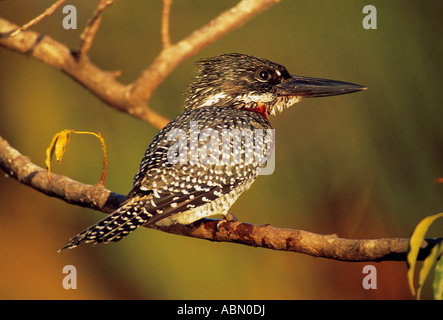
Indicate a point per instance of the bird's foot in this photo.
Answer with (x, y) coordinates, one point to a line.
(229, 217)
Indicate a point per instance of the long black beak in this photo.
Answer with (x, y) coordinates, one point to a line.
(315, 87)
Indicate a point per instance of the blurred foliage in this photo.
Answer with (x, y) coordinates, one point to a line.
(361, 165)
(429, 263)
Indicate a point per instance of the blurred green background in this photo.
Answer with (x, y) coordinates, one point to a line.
(360, 166)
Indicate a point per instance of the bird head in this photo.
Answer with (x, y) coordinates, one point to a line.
(245, 81)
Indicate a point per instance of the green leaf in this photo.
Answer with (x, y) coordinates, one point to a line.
(428, 264)
(414, 247)
(438, 281)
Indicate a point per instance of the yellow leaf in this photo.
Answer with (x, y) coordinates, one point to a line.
(58, 147)
(415, 244)
(105, 154)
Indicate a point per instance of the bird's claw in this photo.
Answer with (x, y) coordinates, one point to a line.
(229, 217)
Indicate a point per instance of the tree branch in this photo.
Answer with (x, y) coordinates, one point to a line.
(265, 236)
(132, 98)
(173, 55)
(102, 84)
(316, 245)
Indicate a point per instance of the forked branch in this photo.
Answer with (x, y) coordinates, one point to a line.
(133, 98)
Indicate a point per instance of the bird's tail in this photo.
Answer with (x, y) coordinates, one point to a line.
(114, 227)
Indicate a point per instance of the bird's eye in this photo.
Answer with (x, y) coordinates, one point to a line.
(263, 75)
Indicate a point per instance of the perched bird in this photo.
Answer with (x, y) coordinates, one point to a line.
(199, 164)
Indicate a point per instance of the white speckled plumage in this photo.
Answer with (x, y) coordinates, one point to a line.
(231, 93)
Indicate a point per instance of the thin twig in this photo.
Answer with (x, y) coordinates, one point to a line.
(88, 34)
(166, 12)
(173, 56)
(37, 19)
